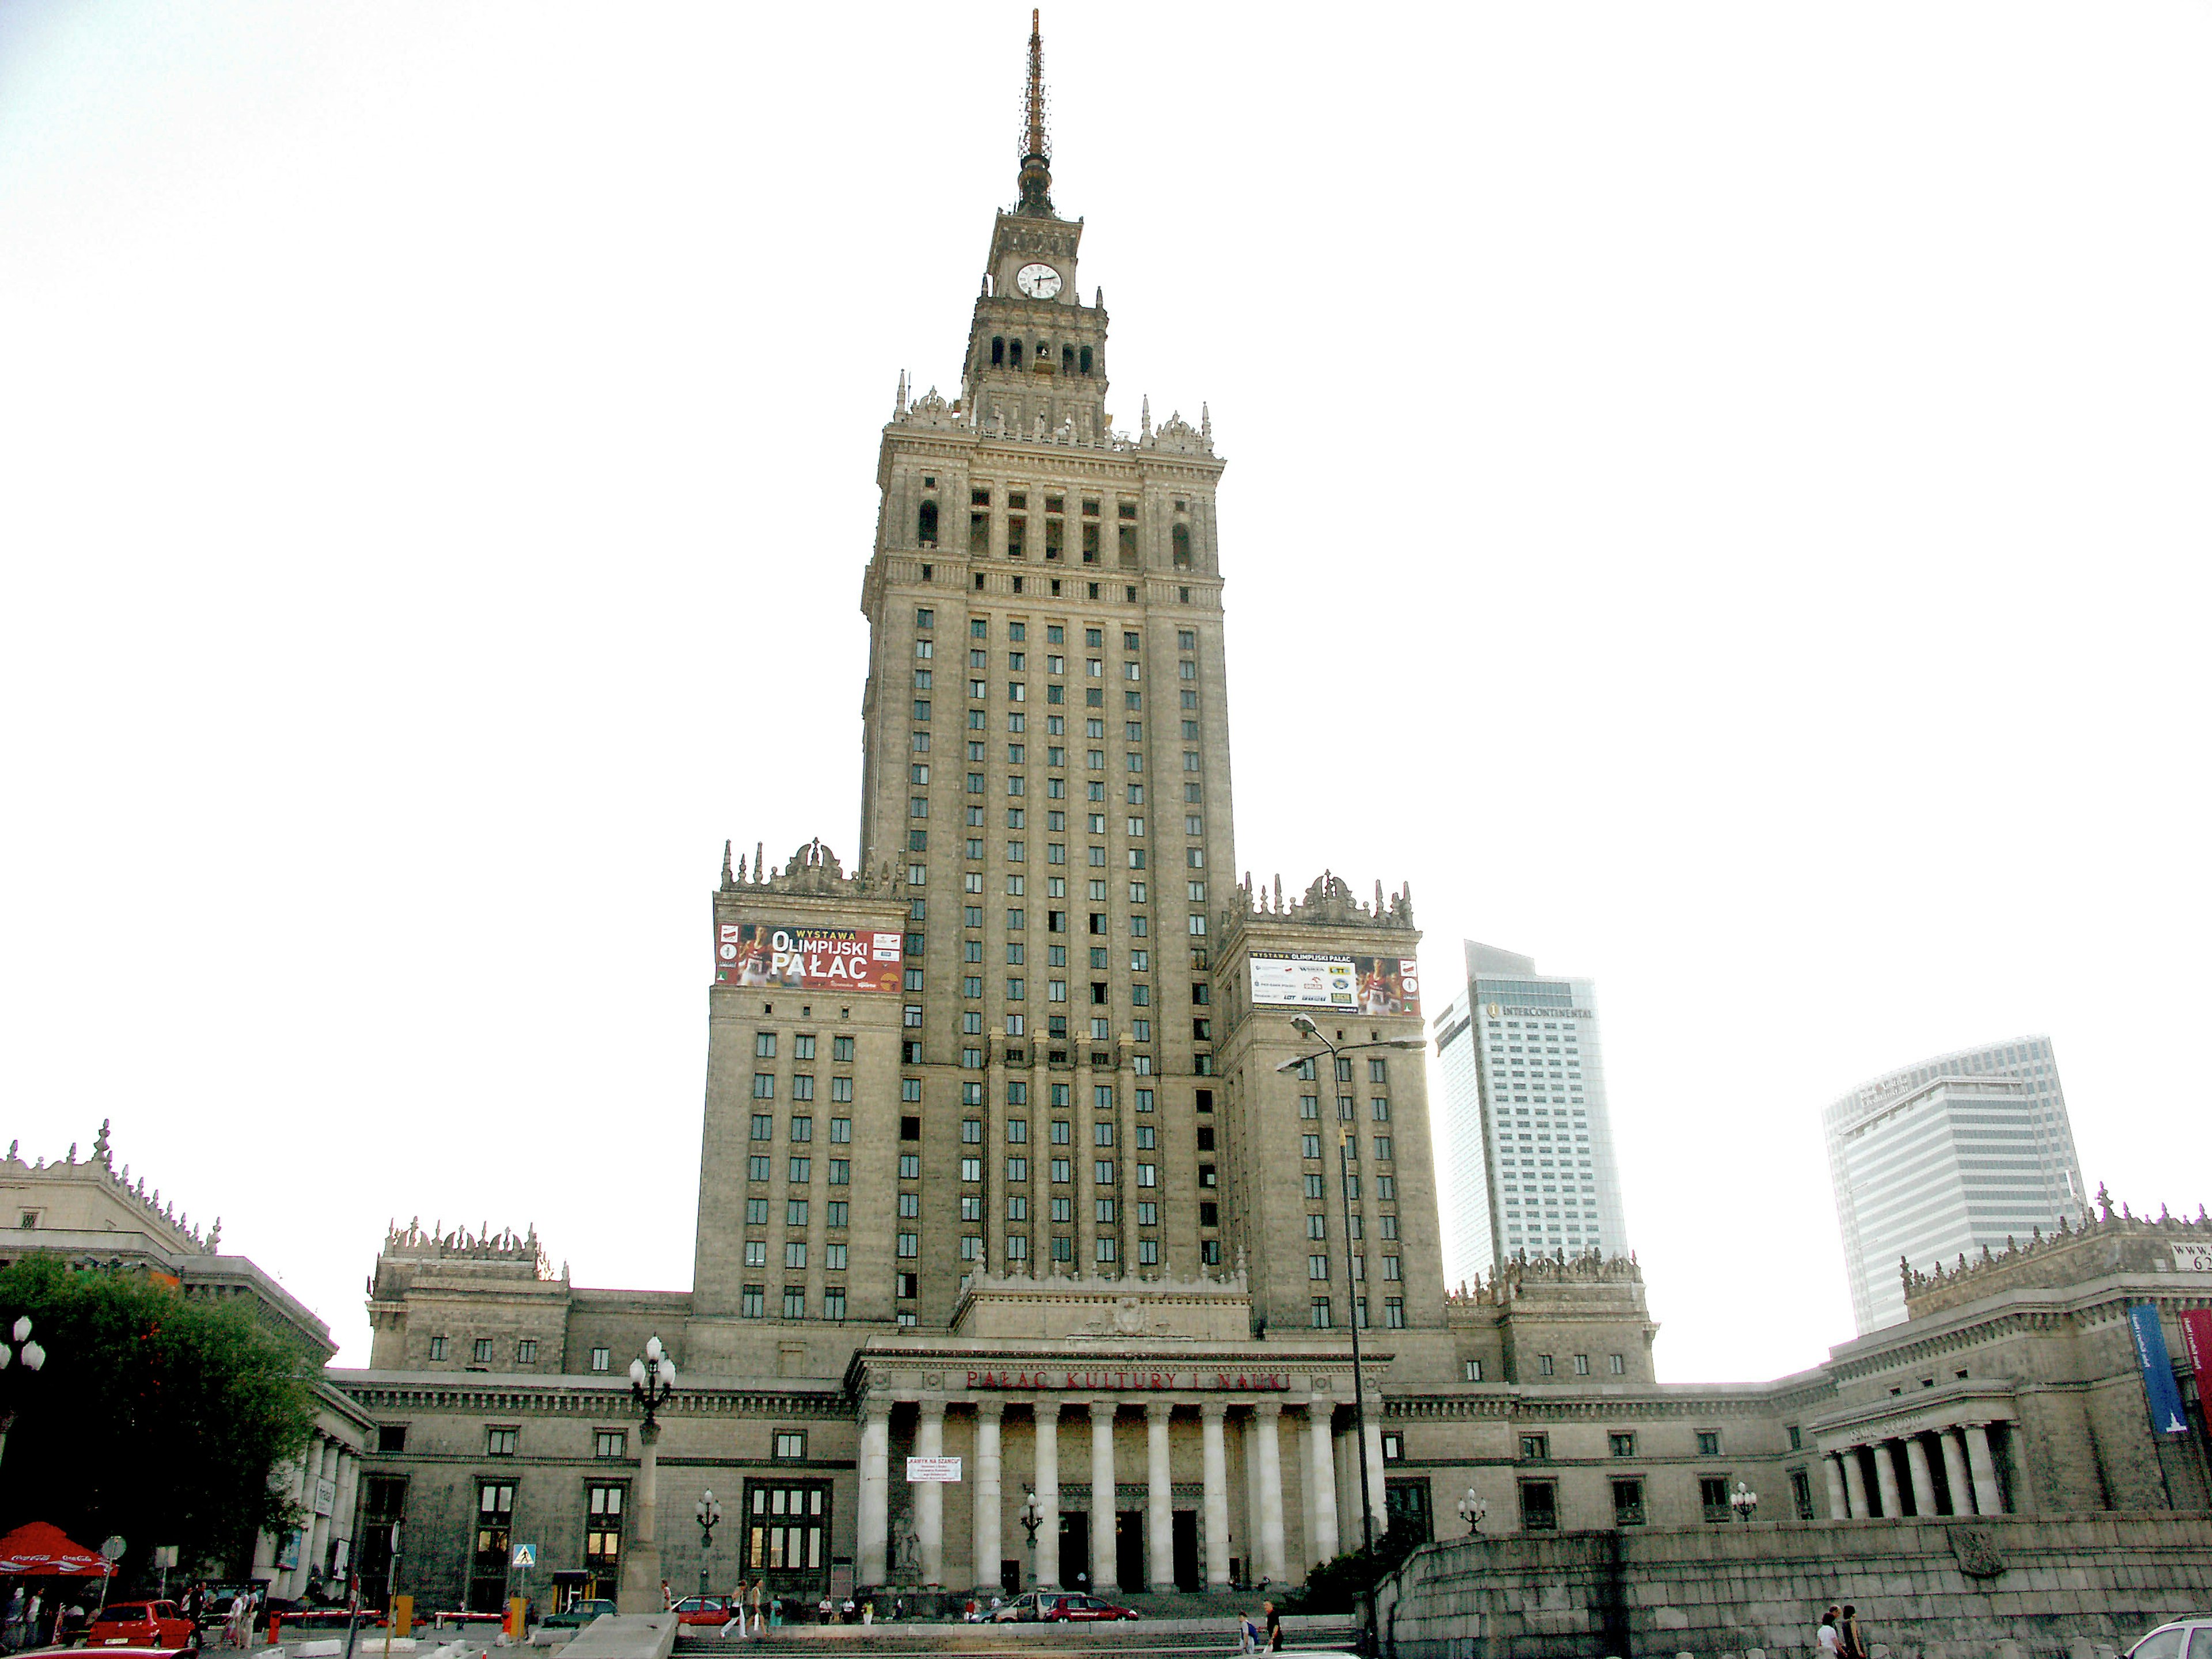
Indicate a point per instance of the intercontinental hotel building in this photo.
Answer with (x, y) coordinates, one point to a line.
(1009, 1157)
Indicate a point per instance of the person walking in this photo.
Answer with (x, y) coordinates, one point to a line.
(1275, 1629)
(759, 1620)
(1850, 1640)
(11, 1627)
(1827, 1643)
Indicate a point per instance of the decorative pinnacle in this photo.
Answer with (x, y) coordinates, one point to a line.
(1036, 146)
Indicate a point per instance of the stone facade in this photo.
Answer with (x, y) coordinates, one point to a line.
(1026, 1179)
(2012, 1585)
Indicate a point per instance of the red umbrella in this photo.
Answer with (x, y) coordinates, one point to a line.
(36, 1550)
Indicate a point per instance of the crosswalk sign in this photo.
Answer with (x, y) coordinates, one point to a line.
(525, 1555)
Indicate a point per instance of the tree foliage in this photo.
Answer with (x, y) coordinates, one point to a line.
(1338, 1585)
(156, 1417)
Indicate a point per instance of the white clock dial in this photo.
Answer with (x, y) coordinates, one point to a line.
(1039, 282)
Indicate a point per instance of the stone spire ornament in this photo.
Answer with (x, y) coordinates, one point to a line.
(728, 880)
(1036, 178)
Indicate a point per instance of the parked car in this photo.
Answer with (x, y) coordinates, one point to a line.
(139, 1625)
(705, 1610)
(2184, 1638)
(578, 1613)
(1058, 1606)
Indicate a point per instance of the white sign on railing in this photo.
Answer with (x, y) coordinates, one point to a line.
(933, 1468)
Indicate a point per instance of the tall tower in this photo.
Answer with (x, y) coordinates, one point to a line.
(1944, 1157)
(1046, 774)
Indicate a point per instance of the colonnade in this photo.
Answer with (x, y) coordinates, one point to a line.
(325, 1457)
(1969, 1475)
(1259, 1425)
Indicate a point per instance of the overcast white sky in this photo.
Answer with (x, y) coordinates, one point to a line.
(1740, 469)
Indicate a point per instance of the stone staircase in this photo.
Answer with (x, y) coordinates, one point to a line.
(1202, 1624)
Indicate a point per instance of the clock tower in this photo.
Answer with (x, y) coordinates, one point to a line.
(1036, 353)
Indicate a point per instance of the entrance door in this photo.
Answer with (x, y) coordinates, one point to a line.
(1074, 1549)
(1129, 1549)
(1188, 1575)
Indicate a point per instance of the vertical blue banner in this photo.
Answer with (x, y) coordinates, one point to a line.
(2165, 1417)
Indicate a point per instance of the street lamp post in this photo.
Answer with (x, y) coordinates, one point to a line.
(34, 1360)
(709, 1510)
(1032, 1517)
(652, 1383)
(1744, 1501)
(1472, 1510)
(1306, 1027)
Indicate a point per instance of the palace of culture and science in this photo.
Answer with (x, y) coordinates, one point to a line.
(1013, 1155)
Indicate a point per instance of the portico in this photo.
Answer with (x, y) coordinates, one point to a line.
(1155, 1391)
(1937, 1457)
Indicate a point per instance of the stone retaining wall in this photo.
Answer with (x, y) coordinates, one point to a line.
(1992, 1587)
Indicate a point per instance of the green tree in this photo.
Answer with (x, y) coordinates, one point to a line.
(1340, 1585)
(155, 1417)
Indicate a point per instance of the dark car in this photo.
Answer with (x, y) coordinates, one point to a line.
(139, 1625)
(577, 1614)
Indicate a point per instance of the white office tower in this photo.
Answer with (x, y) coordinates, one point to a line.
(1527, 1149)
(1938, 1158)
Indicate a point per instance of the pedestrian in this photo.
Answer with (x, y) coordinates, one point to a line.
(11, 1627)
(847, 1610)
(760, 1624)
(1851, 1641)
(1248, 1634)
(1275, 1629)
(823, 1609)
(1826, 1640)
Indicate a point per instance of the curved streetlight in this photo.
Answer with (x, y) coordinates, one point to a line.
(1744, 1501)
(708, 1511)
(1305, 1026)
(653, 1380)
(1472, 1509)
(1032, 1517)
(34, 1360)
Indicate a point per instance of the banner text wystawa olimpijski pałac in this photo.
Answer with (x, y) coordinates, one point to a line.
(807, 958)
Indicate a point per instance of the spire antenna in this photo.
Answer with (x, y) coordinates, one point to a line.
(1036, 145)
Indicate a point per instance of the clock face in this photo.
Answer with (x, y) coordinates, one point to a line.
(1039, 282)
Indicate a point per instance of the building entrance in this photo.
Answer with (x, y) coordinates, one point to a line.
(1188, 1575)
(1129, 1549)
(1074, 1549)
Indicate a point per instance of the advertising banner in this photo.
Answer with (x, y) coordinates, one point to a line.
(2157, 1364)
(1363, 985)
(796, 958)
(2196, 1337)
(933, 1468)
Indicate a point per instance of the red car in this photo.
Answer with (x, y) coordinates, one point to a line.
(139, 1625)
(717, 1610)
(1066, 1608)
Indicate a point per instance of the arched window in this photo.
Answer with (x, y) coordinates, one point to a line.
(1014, 353)
(1183, 547)
(999, 350)
(926, 527)
(1067, 359)
(1084, 358)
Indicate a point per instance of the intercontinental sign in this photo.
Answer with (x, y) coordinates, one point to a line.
(1098, 1382)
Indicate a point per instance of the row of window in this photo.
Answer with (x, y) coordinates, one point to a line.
(1393, 1313)
(802, 1047)
(482, 1350)
(752, 1300)
(979, 628)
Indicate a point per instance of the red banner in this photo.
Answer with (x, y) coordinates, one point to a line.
(2197, 1335)
(806, 958)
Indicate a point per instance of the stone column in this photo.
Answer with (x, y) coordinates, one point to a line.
(987, 1556)
(641, 1556)
(1159, 1500)
(929, 1495)
(1954, 1472)
(1884, 1477)
(1253, 1507)
(1213, 1418)
(1104, 1574)
(1855, 1484)
(348, 1500)
(1267, 1416)
(1322, 1543)
(875, 1491)
(1047, 1459)
(1840, 1505)
(1924, 1479)
(1987, 1498)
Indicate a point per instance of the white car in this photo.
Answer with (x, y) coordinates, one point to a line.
(2184, 1638)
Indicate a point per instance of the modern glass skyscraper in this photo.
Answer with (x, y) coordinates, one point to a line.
(1527, 1161)
(1943, 1156)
